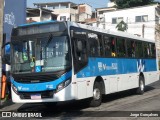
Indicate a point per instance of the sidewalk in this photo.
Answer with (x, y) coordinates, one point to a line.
(5, 104)
(9, 106)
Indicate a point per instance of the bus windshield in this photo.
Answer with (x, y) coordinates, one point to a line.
(41, 55)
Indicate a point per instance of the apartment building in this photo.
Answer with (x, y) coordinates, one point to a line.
(68, 11)
(39, 14)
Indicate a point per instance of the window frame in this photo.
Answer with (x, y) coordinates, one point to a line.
(141, 18)
(116, 20)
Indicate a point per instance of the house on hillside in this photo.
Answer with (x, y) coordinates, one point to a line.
(68, 11)
(39, 14)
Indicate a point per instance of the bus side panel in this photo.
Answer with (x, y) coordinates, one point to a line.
(127, 81)
(82, 88)
(151, 74)
(151, 77)
(106, 80)
(118, 73)
(85, 87)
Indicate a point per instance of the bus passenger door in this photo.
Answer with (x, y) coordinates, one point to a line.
(80, 60)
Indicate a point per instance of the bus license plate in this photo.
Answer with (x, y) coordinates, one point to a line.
(36, 96)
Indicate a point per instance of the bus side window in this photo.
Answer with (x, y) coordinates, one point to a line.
(100, 45)
(131, 48)
(121, 47)
(94, 44)
(153, 50)
(113, 47)
(107, 46)
(81, 49)
(146, 50)
(138, 49)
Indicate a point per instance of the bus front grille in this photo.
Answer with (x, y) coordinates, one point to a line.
(37, 77)
(43, 94)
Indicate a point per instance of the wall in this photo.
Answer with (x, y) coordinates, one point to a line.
(14, 15)
(67, 15)
(68, 12)
(37, 19)
(129, 17)
(1, 39)
(1, 22)
(85, 12)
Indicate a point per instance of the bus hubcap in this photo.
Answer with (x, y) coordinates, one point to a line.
(96, 94)
(141, 85)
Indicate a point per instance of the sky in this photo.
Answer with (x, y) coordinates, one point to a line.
(93, 3)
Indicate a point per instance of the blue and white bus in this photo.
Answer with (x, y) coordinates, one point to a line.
(61, 61)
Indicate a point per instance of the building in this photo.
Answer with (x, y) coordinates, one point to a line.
(1, 40)
(101, 16)
(12, 14)
(63, 10)
(84, 12)
(39, 14)
(68, 11)
(142, 21)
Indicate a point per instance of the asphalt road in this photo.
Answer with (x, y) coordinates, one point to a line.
(124, 104)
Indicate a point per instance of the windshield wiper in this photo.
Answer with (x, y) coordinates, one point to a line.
(49, 40)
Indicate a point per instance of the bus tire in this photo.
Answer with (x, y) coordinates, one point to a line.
(97, 95)
(141, 87)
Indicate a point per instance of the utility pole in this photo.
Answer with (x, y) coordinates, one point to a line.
(1, 40)
(143, 27)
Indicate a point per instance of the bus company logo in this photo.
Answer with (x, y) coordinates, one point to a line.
(19, 87)
(140, 65)
(102, 66)
(22, 88)
(49, 86)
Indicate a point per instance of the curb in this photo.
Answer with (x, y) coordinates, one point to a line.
(6, 103)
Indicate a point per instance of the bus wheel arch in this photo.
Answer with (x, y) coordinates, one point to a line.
(141, 87)
(98, 91)
(100, 80)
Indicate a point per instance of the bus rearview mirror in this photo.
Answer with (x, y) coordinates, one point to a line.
(6, 59)
(72, 33)
(79, 46)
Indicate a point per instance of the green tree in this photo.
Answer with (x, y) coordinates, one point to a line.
(132, 3)
(122, 26)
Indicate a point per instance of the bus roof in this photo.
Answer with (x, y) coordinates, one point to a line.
(108, 31)
(37, 23)
(96, 29)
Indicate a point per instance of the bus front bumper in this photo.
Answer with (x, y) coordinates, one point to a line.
(63, 95)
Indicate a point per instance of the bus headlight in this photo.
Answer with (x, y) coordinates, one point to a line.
(63, 85)
(14, 89)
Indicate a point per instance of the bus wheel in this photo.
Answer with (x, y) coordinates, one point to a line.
(141, 87)
(97, 95)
